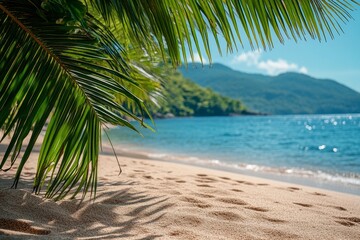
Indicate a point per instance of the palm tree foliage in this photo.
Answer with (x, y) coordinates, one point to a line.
(67, 71)
(59, 63)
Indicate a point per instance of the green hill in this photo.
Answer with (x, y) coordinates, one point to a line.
(288, 93)
(183, 97)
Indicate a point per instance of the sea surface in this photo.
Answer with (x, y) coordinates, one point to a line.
(316, 150)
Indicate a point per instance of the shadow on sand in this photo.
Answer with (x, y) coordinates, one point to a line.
(119, 214)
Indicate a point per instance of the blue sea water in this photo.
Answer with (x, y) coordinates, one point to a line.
(320, 150)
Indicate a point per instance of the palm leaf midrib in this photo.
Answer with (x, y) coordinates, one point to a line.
(51, 54)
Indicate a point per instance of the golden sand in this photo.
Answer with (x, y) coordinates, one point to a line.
(160, 200)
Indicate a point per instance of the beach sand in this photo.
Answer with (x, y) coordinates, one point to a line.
(161, 200)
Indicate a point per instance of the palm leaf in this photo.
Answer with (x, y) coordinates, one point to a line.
(178, 25)
(68, 72)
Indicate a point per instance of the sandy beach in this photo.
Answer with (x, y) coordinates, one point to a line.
(161, 200)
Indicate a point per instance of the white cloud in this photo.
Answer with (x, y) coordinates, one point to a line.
(303, 70)
(198, 59)
(250, 58)
(276, 67)
(271, 67)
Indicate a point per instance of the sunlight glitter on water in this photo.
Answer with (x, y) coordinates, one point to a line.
(324, 147)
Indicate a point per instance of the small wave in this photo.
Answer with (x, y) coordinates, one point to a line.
(338, 178)
(353, 179)
(344, 178)
(157, 155)
(164, 156)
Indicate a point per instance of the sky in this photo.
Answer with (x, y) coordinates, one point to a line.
(337, 59)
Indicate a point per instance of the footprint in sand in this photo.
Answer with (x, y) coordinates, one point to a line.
(234, 201)
(204, 181)
(204, 185)
(348, 221)
(291, 189)
(203, 205)
(345, 223)
(224, 215)
(236, 190)
(338, 208)
(262, 184)
(201, 175)
(20, 226)
(274, 220)
(303, 204)
(249, 183)
(245, 182)
(318, 194)
(205, 178)
(176, 233)
(225, 178)
(258, 209)
(180, 181)
(171, 178)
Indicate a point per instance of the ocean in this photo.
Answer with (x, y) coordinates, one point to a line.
(316, 150)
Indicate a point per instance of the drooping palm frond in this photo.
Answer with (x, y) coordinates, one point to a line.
(58, 62)
(177, 25)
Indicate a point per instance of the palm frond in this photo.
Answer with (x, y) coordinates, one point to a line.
(177, 25)
(54, 66)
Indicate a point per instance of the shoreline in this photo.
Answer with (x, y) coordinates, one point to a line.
(270, 173)
(315, 151)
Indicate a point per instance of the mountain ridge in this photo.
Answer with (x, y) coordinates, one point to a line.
(286, 93)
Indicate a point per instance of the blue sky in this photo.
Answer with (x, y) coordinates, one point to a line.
(337, 59)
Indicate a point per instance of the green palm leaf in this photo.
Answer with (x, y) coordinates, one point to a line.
(177, 25)
(64, 71)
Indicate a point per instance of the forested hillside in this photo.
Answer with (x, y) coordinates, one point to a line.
(183, 97)
(288, 93)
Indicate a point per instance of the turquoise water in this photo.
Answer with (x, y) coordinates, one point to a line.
(321, 149)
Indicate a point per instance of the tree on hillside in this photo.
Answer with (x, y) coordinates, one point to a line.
(67, 62)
